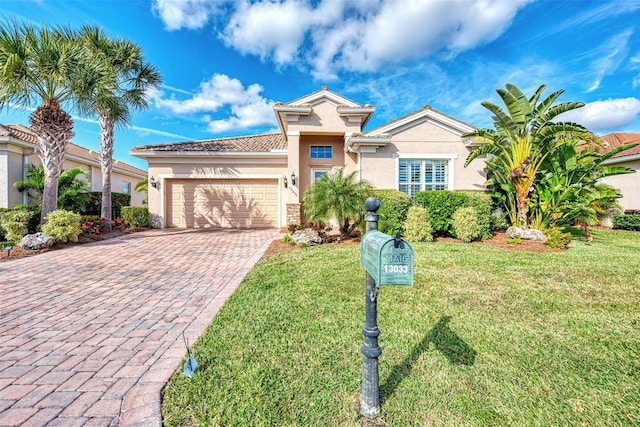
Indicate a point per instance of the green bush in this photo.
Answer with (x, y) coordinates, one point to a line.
(93, 203)
(417, 227)
(557, 239)
(63, 225)
(482, 203)
(465, 224)
(136, 216)
(3, 232)
(442, 204)
(34, 222)
(15, 222)
(394, 206)
(627, 222)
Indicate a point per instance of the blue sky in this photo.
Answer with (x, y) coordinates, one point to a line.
(225, 63)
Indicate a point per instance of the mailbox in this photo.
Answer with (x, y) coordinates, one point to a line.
(388, 259)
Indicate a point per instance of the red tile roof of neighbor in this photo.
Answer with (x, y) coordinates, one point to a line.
(25, 134)
(614, 140)
(253, 144)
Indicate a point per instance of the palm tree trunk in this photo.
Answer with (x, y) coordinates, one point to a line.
(521, 200)
(54, 128)
(106, 164)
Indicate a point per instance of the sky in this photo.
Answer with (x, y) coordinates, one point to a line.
(226, 63)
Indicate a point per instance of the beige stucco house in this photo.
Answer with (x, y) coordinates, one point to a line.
(18, 150)
(628, 184)
(259, 180)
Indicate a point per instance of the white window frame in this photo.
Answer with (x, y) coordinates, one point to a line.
(450, 157)
(314, 170)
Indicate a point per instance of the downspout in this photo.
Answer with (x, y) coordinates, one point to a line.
(359, 161)
(25, 170)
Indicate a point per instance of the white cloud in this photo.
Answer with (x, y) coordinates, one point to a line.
(222, 94)
(610, 56)
(607, 115)
(190, 14)
(343, 35)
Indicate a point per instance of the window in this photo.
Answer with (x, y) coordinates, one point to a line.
(419, 175)
(321, 152)
(126, 187)
(316, 174)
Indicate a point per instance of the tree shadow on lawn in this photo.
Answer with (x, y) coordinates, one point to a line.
(447, 342)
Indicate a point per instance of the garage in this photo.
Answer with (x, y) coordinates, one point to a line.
(221, 203)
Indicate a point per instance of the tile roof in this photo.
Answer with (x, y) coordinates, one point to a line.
(614, 140)
(244, 144)
(23, 133)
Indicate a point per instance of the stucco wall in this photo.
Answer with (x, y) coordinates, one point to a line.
(424, 140)
(629, 185)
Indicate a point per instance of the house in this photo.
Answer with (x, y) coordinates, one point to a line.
(259, 180)
(18, 150)
(628, 184)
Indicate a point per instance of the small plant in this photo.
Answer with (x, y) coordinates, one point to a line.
(514, 241)
(288, 240)
(557, 239)
(295, 227)
(119, 224)
(302, 245)
(63, 226)
(418, 226)
(91, 224)
(136, 216)
(16, 224)
(465, 224)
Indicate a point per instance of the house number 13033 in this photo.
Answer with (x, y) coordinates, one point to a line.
(396, 268)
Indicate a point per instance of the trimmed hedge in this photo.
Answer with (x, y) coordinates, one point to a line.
(418, 226)
(394, 206)
(465, 224)
(442, 204)
(20, 219)
(627, 222)
(93, 203)
(136, 216)
(63, 226)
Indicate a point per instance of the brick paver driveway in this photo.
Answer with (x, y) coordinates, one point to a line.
(90, 334)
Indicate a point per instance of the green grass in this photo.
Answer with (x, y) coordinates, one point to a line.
(485, 337)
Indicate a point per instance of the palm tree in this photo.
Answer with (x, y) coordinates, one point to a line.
(40, 66)
(70, 187)
(118, 84)
(524, 136)
(336, 195)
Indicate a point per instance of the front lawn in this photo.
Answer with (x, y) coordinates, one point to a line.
(486, 336)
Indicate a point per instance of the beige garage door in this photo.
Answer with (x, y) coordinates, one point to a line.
(208, 203)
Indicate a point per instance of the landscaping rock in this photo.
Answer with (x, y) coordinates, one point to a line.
(36, 241)
(526, 234)
(307, 236)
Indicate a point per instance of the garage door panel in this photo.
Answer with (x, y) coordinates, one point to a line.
(220, 204)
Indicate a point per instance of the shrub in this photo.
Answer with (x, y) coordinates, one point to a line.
(627, 222)
(482, 203)
(3, 232)
(93, 202)
(136, 216)
(288, 240)
(557, 239)
(16, 224)
(514, 240)
(91, 224)
(465, 224)
(63, 225)
(119, 224)
(441, 205)
(417, 227)
(34, 222)
(394, 206)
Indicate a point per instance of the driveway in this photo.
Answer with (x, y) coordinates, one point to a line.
(90, 334)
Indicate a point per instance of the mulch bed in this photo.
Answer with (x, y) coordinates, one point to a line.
(18, 252)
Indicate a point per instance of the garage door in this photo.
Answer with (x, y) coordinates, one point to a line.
(208, 203)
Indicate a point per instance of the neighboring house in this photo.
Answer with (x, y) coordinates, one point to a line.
(628, 184)
(259, 181)
(18, 150)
